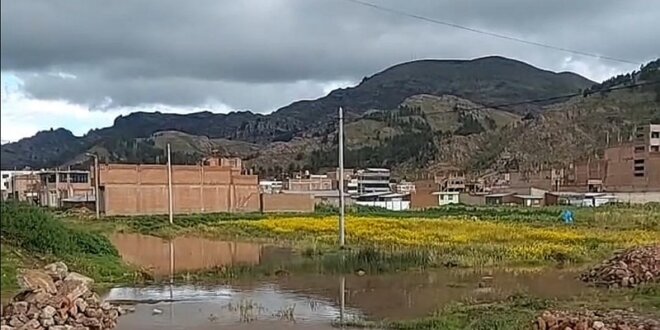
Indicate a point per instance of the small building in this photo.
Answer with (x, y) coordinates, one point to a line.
(270, 186)
(528, 200)
(405, 187)
(387, 200)
(373, 180)
(447, 197)
(56, 185)
(500, 199)
(579, 199)
(24, 188)
(311, 182)
(598, 199)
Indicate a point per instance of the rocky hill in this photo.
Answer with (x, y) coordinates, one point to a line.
(409, 116)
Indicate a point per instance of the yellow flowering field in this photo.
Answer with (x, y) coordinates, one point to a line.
(468, 241)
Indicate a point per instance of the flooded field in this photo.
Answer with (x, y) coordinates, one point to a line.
(306, 301)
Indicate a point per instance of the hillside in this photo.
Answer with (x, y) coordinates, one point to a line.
(488, 80)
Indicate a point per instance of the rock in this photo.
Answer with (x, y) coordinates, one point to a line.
(72, 289)
(60, 327)
(361, 272)
(20, 307)
(57, 270)
(73, 276)
(6, 327)
(598, 325)
(48, 312)
(627, 269)
(47, 322)
(81, 304)
(106, 306)
(16, 322)
(32, 324)
(35, 281)
(91, 322)
(541, 323)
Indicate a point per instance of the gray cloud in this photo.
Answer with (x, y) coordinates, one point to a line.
(261, 54)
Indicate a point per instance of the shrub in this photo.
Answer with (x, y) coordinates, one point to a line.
(35, 230)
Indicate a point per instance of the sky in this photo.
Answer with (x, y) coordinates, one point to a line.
(78, 64)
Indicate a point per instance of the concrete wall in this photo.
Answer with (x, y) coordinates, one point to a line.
(469, 199)
(620, 174)
(143, 189)
(637, 197)
(299, 203)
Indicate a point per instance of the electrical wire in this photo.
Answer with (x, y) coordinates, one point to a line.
(488, 33)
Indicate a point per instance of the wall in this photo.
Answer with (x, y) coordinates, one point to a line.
(394, 205)
(422, 198)
(143, 189)
(299, 203)
(620, 164)
(470, 199)
(637, 197)
(310, 184)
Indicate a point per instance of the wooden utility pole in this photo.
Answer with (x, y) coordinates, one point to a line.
(169, 182)
(341, 178)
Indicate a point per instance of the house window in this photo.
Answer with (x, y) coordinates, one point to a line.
(638, 174)
(79, 177)
(655, 148)
(639, 148)
(64, 177)
(4, 176)
(655, 135)
(639, 168)
(639, 161)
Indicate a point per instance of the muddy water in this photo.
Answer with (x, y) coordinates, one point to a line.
(306, 301)
(191, 253)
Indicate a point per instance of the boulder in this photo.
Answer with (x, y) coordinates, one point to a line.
(57, 270)
(36, 281)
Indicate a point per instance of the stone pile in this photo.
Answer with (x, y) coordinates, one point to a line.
(589, 320)
(56, 299)
(627, 269)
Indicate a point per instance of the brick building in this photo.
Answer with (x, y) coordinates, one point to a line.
(143, 189)
(635, 166)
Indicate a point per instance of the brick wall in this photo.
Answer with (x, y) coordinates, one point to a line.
(143, 189)
(303, 203)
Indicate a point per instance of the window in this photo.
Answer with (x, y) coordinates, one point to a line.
(639, 161)
(50, 178)
(79, 177)
(638, 174)
(655, 135)
(639, 148)
(64, 177)
(639, 168)
(655, 148)
(4, 176)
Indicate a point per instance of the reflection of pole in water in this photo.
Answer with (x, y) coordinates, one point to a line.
(342, 298)
(171, 279)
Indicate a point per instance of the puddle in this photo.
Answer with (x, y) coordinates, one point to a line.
(191, 253)
(317, 298)
(306, 301)
(263, 306)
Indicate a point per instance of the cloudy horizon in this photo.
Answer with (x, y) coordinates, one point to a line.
(79, 64)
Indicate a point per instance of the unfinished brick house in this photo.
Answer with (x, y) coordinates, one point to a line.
(143, 189)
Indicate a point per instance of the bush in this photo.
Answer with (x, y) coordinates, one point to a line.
(35, 230)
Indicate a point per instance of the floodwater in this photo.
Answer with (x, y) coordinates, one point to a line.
(191, 253)
(305, 301)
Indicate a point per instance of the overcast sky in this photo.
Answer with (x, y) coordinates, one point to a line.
(79, 63)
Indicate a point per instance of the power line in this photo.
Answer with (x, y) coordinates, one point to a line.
(488, 33)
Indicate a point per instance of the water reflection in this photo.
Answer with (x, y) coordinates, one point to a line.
(182, 254)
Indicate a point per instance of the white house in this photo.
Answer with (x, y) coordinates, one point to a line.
(447, 197)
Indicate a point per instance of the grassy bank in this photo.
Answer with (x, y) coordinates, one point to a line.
(33, 237)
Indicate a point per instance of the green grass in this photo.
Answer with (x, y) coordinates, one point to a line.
(32, 237)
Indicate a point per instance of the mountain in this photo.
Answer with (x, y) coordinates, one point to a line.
(307, 125)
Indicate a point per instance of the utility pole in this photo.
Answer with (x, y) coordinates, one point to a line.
(169, 182)
(97, 181)
(341, 178)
